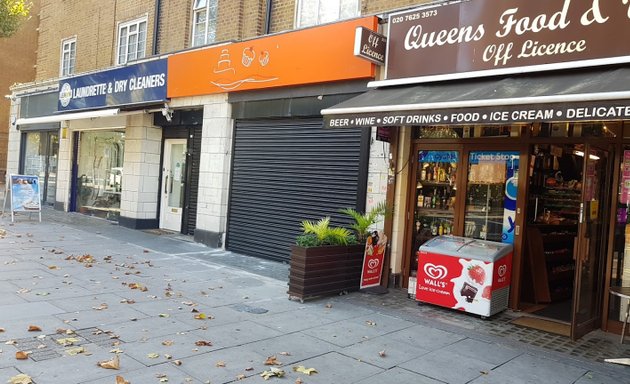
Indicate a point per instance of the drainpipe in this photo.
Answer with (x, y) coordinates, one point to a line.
(156, 25)
(268, 17)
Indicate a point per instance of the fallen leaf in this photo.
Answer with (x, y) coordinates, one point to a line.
(34, 328)
(382, 354)
(201, 316)
(220, 364)
(1, 330)
(328, 306)
(11, 342)
(138, 286)
(22, 355)
(24, 290)
(120, 380)
(299, 381)
(67, 341)
(153, 355)
(110, 364)
(285, 354)
(273, 372)
(370, 323)
(21, 379)
(203, 343)
(249, 369)
(164, 315)
(272, 360)
(101, 307)
(304, 370)
(53, 267)
(75, 351)
(42, 293)
(168, 343)
(167, 356)
(128, 301)
(116, 350)
(177, 362)
(240, 377)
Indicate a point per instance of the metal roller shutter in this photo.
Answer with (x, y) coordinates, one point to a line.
(285, 171)
(192, 188)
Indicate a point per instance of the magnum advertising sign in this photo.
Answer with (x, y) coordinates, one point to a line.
(488, 37)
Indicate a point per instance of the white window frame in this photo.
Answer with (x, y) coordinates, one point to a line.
(123, 58)
(206, 26)
(68, 47)
(298, 14)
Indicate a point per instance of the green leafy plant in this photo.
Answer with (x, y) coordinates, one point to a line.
(321, 233)
(363, 221)
(12, 13)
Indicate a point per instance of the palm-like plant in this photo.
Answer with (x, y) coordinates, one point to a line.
(363, 221)
(321, 233)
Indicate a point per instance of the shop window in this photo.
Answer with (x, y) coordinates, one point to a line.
(576, 129)
(100, 173)
(204, 22)
(467, 131)
(314, 12)
(132, 41)
(621, 254)
(68, 56)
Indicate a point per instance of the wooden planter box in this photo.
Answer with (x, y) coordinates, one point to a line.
(327, 270)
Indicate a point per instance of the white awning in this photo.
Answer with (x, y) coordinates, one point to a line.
(68, 116)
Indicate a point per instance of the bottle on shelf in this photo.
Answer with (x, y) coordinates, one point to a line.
(434, 229)
(435, 172)
(423, 172)
(442, 174)
(420, 200)
(441, 229)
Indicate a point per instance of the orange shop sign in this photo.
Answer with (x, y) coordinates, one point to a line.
(308, 56)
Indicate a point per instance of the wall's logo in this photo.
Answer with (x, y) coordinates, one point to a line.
(502, 270)
(373, 263)
(65, 95)
(437, 272)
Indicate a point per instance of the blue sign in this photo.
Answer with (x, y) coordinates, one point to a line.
(438, 156)
(133, 84)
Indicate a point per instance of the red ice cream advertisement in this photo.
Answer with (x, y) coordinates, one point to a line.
(460, 283)
(373, 259)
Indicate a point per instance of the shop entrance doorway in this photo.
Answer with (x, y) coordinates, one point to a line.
(173, 184)
(566, 236)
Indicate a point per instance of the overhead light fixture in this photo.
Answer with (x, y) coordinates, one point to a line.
(581, 154)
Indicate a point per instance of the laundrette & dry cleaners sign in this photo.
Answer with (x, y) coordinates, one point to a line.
(488, 37)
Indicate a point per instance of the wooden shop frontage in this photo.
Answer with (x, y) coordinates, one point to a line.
(511, 123)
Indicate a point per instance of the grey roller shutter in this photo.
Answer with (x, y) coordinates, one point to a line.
(288, 170)
(192, 187)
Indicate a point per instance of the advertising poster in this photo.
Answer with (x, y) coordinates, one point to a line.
(507, 164)
(24, 195)
(373, 259)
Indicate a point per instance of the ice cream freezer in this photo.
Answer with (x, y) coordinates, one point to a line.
(465, 274)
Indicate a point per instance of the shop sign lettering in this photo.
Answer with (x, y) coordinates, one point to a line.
(370, 45)
(486, 115)
(485, 37)
(139, 83)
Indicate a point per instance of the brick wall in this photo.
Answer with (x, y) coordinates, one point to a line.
(95, 25)
(16, 66)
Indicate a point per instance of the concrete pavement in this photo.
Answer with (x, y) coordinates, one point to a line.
(175, 311)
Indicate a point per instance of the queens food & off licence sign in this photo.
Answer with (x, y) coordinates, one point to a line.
(133, 84)
(487, 37)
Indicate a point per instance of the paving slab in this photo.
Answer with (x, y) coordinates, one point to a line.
(399, 375)
(347, 332)
(448, 367)
(163, 349)
(383, 352)
(25, 311)
(426, 337)
(533, 369)
(153, 374)
(488, 352)
(291, 348)
(235, 334)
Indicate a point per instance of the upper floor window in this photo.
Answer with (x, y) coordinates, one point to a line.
(132, 41)
(314, 12)
(68, 56)
(204, 22)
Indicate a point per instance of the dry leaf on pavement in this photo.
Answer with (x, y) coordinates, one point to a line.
(273, 372)
(75, 351)
(220, 364)
(153, 355)
(21, 379)
(110, 364)
(382, 353)
(34, 328)
(299, 381)
(67, 341)
(168, 343)
(177, 362)
(203, 343)
(120, 380)
(101, 307)
(22, 355)
(304, 370)
(272, 360)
